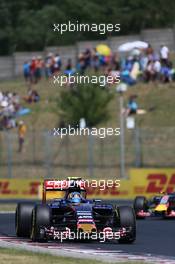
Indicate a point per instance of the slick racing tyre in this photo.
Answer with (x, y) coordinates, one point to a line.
(40, 220)
(140, 203)
(23, 219)
(127, 220)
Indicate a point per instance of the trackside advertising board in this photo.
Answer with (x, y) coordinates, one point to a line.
(32, 189)
(146, 182)
(19, 189)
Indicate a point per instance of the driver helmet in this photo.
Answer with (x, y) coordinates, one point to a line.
(75, 197)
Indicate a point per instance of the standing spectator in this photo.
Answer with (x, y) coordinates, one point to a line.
(116, 61)
(21, 134)
(26, 71)
(81, 64)
(57, 63)
(32, 70)
(69, 70)
(95, 62)
(149, 52)
(164, 54)
(48, 63)
(38, 69)
(149, 71)
(87, 58)
(156, 69)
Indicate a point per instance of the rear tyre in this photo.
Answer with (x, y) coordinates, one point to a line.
(140, 203)
(127, 220)
(40, 220)
(23, 217)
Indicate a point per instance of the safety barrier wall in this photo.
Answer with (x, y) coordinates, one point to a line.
(146, 182)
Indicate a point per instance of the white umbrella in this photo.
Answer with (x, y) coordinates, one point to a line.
(132, 45)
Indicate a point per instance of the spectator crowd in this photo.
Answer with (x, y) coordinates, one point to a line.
(138, 65)
(9, 106)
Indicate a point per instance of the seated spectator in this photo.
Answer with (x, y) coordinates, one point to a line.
(32, 97)
(126, 78)
(132, 106)
(113, 73)
(165, 73)
(135, 71)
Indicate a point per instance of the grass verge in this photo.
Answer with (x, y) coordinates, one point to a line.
(7, 207)
(11, 256)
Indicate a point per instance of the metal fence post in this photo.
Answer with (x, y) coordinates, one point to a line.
(47, 139)
(90, 154)
(9, 153)
(122, 138)
(137, 147)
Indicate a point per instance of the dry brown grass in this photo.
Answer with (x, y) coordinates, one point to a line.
(36, 158)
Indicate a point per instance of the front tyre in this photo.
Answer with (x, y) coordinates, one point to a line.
(127, 220)
(140, 204)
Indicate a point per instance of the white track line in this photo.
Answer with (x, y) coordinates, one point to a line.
(7, 212)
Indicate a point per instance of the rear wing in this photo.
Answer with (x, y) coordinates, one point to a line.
(59, 188)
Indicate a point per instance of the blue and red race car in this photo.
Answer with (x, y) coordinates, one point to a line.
(66, 213)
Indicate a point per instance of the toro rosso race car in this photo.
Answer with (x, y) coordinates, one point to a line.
(162, 206)
(65, 213)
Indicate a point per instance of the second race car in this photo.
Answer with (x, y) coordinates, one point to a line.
(162, 205)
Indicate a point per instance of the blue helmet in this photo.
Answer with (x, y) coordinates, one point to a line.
(75, 197)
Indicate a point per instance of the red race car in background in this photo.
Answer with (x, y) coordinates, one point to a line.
(162, 205)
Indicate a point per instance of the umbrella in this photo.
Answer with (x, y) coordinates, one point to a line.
(103, 49)
(132, 45)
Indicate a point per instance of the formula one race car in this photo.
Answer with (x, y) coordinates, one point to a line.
(65, 213)
(162, 205)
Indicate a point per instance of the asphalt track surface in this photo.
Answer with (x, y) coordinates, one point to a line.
(154, 236)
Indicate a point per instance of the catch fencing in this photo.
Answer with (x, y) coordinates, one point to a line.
(46, 156)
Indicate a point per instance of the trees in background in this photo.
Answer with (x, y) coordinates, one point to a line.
(27, 25)
(88, 101)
